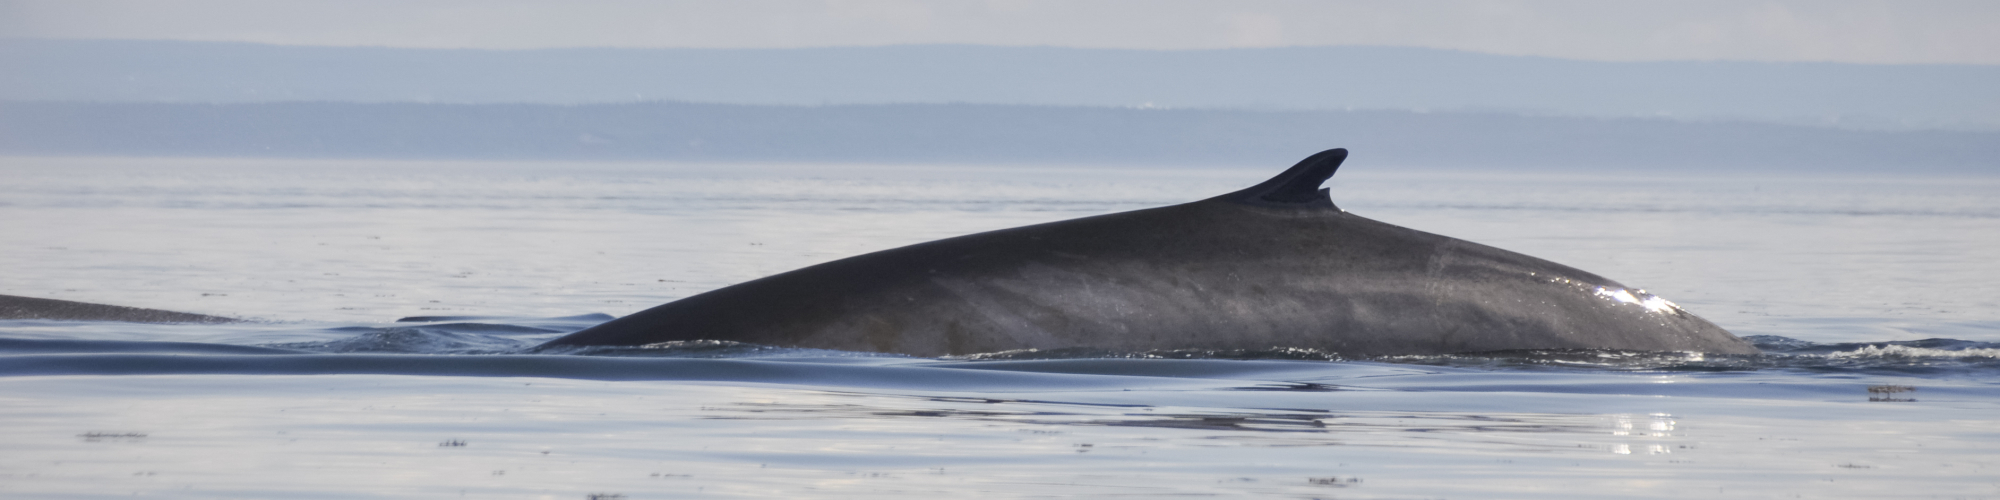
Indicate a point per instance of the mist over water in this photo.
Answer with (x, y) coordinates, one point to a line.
(1873, 299)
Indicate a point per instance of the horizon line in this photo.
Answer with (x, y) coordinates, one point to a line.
(4, 39)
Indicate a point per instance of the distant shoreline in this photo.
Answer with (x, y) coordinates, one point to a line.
(965, 133)
(1840, 95)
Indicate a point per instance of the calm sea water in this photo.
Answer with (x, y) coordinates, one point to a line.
(1875, 300)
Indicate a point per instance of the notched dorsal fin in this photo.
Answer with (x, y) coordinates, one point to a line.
(1298, 187)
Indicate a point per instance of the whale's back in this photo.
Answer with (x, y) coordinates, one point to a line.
(1206, 275)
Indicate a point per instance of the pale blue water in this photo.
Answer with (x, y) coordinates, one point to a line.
(1842, 279)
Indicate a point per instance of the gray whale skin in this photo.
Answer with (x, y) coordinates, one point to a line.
(1273, 266)
(17, 307)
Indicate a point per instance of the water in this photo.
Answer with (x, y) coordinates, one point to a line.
(1874, 299)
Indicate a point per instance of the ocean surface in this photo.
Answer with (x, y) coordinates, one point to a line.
(396, 306)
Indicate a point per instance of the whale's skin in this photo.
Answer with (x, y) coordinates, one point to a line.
(1273, 266)
(17, 307)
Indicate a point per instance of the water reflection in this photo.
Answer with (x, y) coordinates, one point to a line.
(379, 436)
(1657, 425)
(1890, 394)
(1258, 427)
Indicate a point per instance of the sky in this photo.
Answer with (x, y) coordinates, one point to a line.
(1858, 31)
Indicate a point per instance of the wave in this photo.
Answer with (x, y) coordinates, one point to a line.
(1897, 351)
(497, 346)
(1928, 356)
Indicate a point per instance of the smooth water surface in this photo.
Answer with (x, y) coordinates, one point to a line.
(1873, 297)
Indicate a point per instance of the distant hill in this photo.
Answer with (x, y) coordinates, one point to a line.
(1888, 97)
(967, 133)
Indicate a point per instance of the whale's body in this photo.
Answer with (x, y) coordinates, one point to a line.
(1273, 266)
(16, 307)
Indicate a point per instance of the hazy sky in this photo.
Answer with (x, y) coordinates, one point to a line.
(1885, 31)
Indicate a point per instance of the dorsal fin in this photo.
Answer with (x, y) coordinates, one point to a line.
(1298, 187)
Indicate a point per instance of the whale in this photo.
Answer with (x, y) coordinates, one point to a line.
(18, 307)
(1274, 266)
